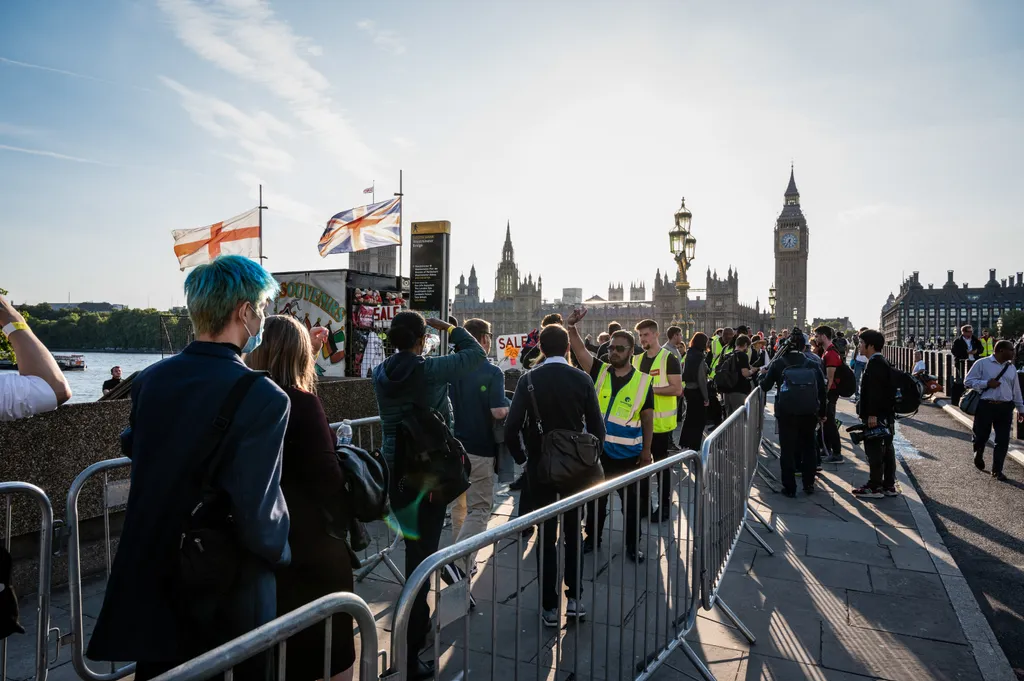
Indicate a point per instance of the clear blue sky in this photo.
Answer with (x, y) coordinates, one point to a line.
(581, 122)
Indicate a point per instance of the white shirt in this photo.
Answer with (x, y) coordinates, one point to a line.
(24, 396)
(861, 358)
(987, 369)
(919, 366)
(971, 352)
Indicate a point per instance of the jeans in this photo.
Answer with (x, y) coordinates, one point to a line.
(830, 429)
(428, 525)
(472, 510)
(548, 539)
(796, 445)
(881, 459)
(998, 415)
(858, 371)
(614, 468)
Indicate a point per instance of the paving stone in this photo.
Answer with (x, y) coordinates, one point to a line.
(763, 668)
(920, 617)
(481, 638)
(831, 528)
(810, 569)
(788, 542)
(724, 663)
(850, 551)
(794, 636)
(906, 583)
(894, 657)
(903, 537)
(912, 559)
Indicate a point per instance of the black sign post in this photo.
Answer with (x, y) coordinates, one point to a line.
(428, 280)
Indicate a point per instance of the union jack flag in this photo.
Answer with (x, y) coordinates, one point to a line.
(356, 229)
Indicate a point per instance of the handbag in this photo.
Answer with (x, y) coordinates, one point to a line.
(972, 398)
(367, 479)
(567, 459)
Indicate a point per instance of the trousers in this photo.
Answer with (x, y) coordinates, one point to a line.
(548, 543)
(998, 416)
(472, 510)
(881, 459)
(796, 445)
(613, 468)
(422, 538)
(830, 428)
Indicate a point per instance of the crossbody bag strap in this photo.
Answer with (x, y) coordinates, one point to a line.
(533, 401)
(998, 378)
(213, 440)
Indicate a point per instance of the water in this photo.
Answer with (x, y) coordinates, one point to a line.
(87, 386)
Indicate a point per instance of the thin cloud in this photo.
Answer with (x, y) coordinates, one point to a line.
(54, 154)
(72, 74)
(246, 40)
(402, 142)
(12, 130)
(382, 37)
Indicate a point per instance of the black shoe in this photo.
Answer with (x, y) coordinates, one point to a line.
(528, 532)
(666, 513)
(979, 462)
(518, 483)
(809, 490)
(789, 493)
(588, 545)
(418, 669)
(635, 556)
(999, 476)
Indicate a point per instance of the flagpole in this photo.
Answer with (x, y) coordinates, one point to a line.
(401, 235)
(373, 192)
(261, 209)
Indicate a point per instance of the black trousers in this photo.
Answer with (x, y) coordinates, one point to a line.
(428, 525)
(998, 415)
(696, 418)
(614, 468)
(714, 408)
(831, 430)
(881, 459)
(659, 450)
(796, 445)
(548, 539)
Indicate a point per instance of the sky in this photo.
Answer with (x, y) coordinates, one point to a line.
(580, 123)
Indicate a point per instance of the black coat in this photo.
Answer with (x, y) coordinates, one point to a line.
(172, 403)
(960, 350)
(876, 390)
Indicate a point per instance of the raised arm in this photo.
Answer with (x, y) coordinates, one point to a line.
(579, 347)
(33, 357)
(468, 356)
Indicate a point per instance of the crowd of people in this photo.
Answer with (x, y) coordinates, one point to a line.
(234, 460)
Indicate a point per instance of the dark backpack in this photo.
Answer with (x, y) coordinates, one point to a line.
(727, 375)
(430, 462)
(846, 381)
(798, 393)
(907, 393)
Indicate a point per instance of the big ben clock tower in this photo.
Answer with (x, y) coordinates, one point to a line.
(791, 249)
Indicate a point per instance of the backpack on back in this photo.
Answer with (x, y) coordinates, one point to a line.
(798, 392)
(430, 462)
(727, 375)
(846, 381)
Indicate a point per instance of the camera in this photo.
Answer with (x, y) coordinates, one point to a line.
(860, 432)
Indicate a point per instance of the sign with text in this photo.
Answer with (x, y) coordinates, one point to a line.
(509, 349)
(428, 271)
(317, 299)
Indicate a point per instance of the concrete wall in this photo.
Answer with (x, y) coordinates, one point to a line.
(52, 449)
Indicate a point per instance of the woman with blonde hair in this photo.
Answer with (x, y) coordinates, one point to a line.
(312, 481)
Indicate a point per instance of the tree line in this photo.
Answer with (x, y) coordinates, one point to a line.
(75, 329)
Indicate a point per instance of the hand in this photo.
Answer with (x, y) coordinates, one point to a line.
(1020, 417)
(646, 458)
(707, 403)
(438, 324)
(872, 421)
(318, 335)
(822, 420)
(8, 314)
(993, 383)
(577, 316)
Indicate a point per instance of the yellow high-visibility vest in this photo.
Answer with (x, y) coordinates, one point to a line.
(987, 346)
(624, 436)
(664, 405)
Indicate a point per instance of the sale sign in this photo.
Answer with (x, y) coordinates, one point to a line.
(508, 349)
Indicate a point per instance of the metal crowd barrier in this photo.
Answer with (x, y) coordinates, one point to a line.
(276, 633)
(7, 490)
(115, 495)
(386, 535)
(670, 590)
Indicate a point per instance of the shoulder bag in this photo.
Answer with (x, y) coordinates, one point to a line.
(568, 460)
(971, 398)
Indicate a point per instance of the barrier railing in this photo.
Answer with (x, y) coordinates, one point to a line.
(673, 597)
(114, 495)
(939, 363)
(7, 490)
(385, 535)
(275, 634)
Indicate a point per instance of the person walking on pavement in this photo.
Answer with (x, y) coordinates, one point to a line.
(832, 361)
(478, 400)
(666, 374)
(876, 409)
(566, 400)
(995, 379)
(407, 384)
(695, 392)
(799, 406)
(627, 400)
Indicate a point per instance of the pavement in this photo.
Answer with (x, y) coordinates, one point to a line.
(856, 589)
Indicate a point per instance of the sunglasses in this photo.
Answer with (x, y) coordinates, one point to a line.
(618, 348)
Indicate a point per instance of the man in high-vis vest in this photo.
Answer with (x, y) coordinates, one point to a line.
(627, 402)
(721, 348)
(988, 343)
(667, 375)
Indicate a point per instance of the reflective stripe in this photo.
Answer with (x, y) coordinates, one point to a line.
(665, 414)
(627, 441)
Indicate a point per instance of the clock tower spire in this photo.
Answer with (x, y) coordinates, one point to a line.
(791, 250)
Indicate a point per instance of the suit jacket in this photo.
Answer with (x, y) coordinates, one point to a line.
(173, 402)
(566, 399)
(960, 349)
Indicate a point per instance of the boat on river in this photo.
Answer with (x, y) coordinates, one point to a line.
(70, 362)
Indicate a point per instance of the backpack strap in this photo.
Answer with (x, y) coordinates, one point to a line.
(213, 439)
(533, 402)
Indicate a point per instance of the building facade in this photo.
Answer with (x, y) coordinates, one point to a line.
(381, 260)
(792, 247)
(935, 315)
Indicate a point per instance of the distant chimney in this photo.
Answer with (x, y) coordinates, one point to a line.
(931, 286)
(916, 275)
(965, 284)
(991, 275)
(1003, 281)
(949, 276)
(1020, 279)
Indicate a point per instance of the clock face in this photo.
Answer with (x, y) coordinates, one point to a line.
(789, 240)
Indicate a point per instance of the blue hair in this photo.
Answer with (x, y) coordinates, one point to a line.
(212, 291)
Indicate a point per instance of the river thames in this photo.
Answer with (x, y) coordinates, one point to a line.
(87, 386)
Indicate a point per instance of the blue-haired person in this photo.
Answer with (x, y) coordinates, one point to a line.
(179, 414)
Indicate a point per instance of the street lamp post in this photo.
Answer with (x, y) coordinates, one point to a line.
(683, 246)
(771, 303)
(999, 328)
(796, 317)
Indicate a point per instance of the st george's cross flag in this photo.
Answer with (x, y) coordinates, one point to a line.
(239, 235)
(356, 229)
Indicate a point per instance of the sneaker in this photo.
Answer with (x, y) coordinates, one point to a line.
(979, 462)
(588, 545)
(550, 617)
(866, 492)
(809, 490)
(818, 468)
(835, 458)
(451, 574)
(891, 491)
(635, 556)
(517, 484)
(575, 609)
(1000, 477)
(789, 493)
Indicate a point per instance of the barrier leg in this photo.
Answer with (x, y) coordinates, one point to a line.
(757, 537)
(759, 517)
(697, 662)
(736, 620)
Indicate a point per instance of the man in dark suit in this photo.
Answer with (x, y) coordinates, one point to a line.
(966, 347)
(174, 405)
(566, 400)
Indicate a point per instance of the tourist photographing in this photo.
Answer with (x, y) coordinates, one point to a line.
(203, 427)
(997, 382)
(39, 386)
(410, 390)
(312, 482)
